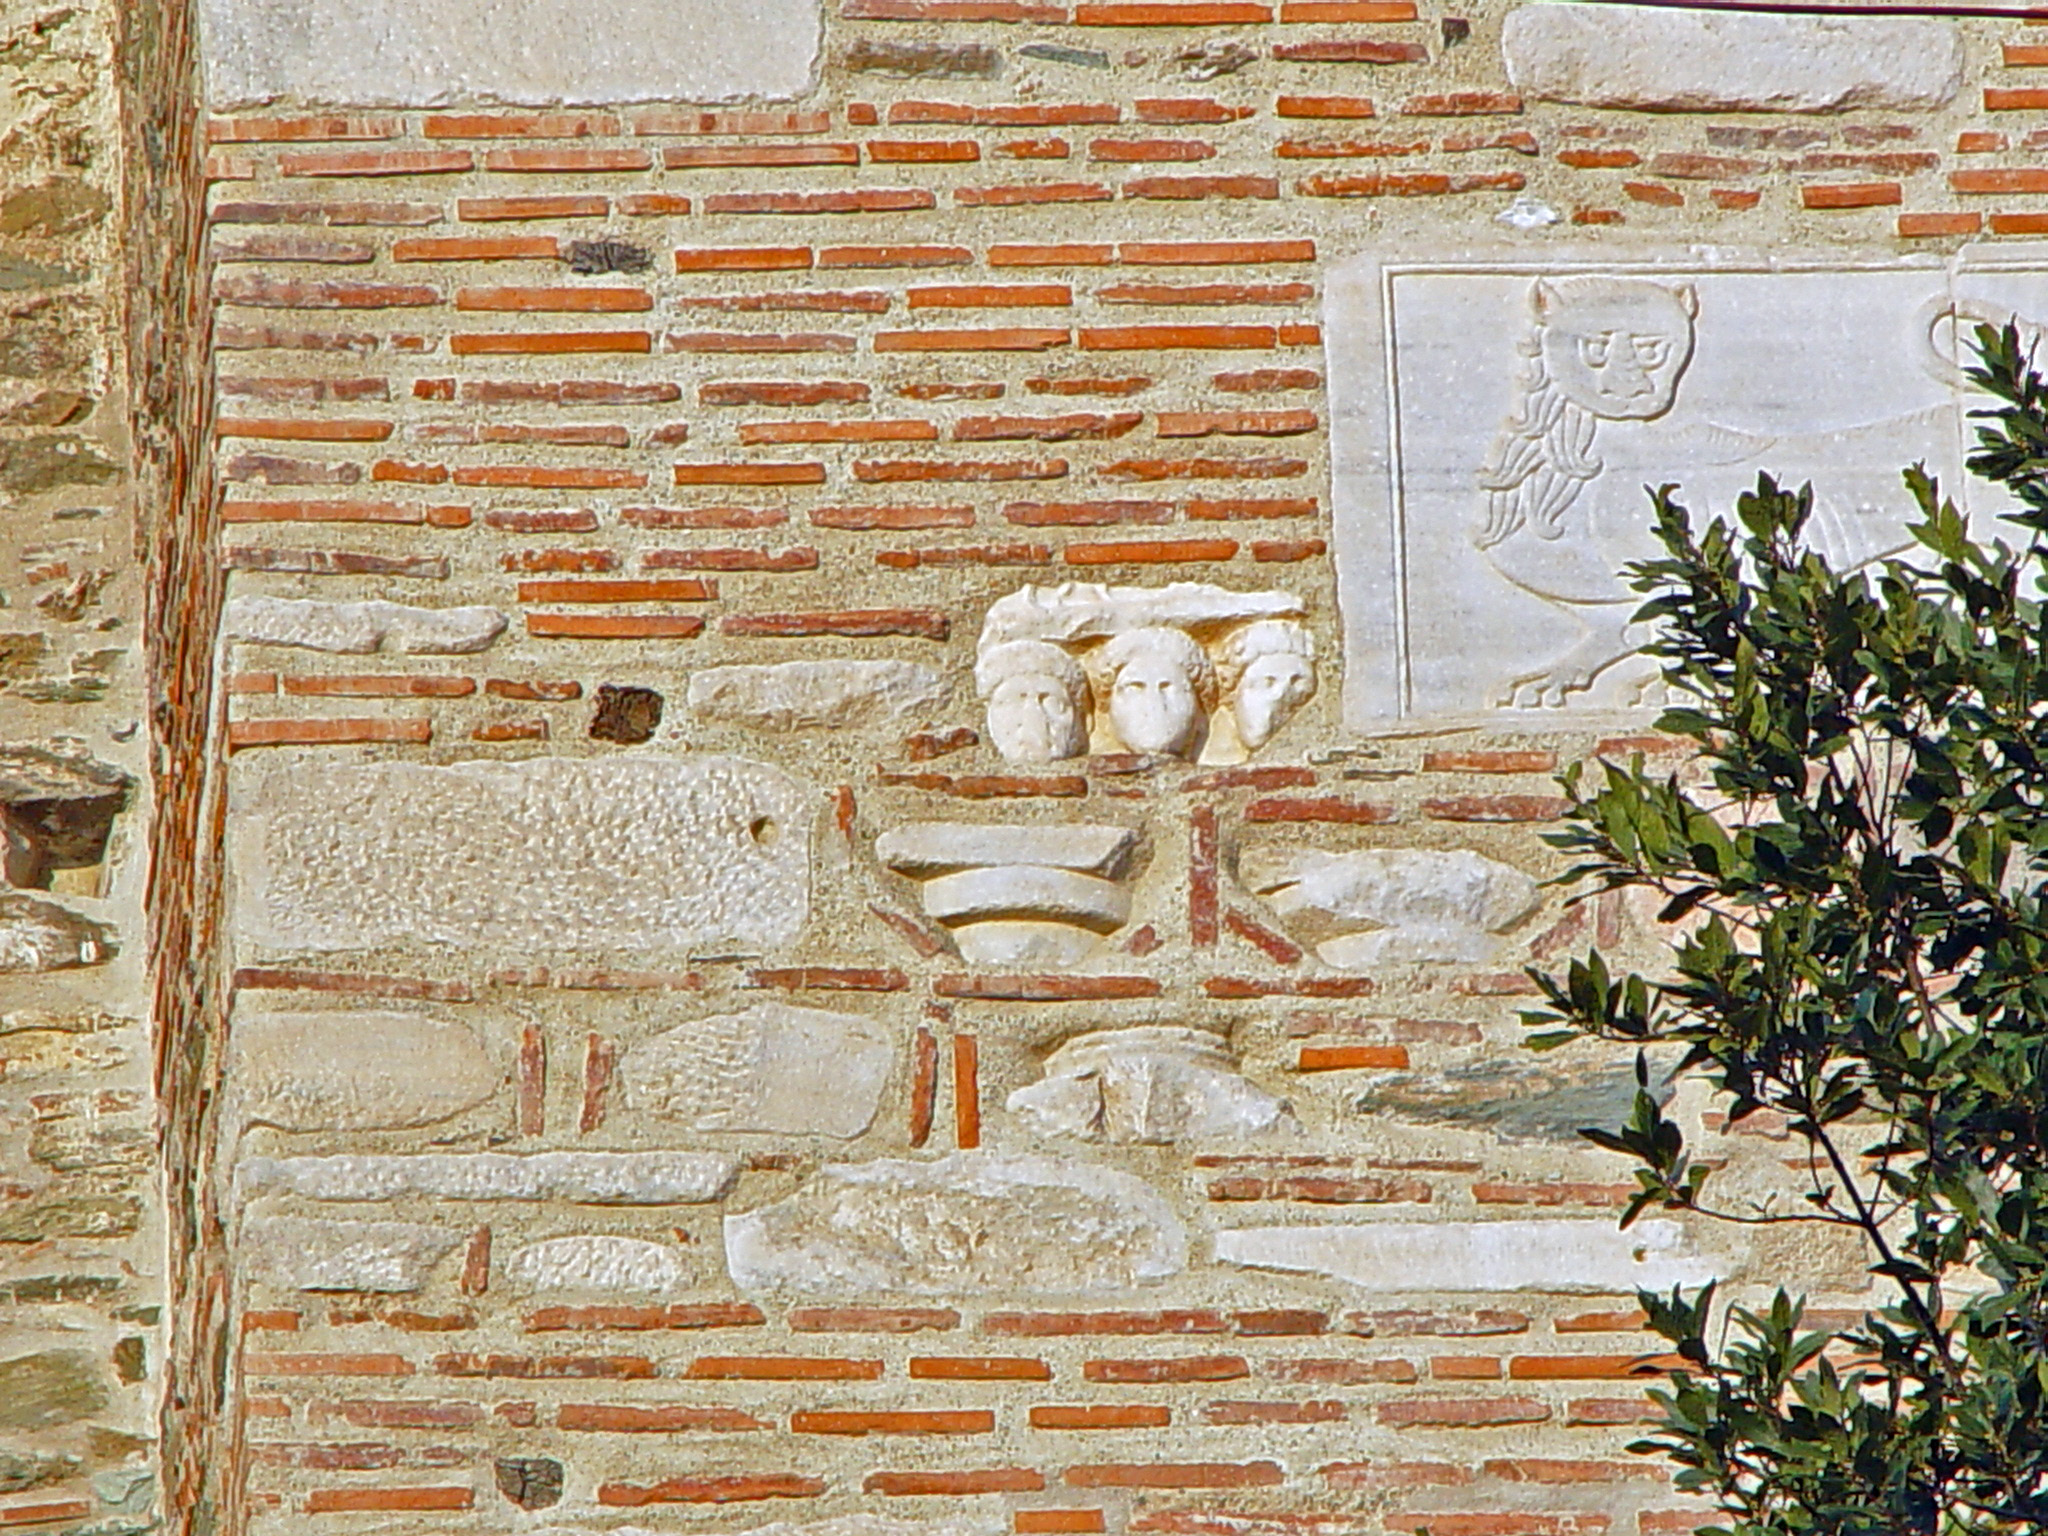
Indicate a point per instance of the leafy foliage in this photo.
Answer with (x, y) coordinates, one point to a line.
(1862, 867)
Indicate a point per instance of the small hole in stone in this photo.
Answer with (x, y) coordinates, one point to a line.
(762, 829)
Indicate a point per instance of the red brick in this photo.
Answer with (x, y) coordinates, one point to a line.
(1558, 1472)
(1649, 192)
(1462, 104)
(1102, 1416)
(782, 1368)
(264, 292)
(993, 296)
(595, 626)
(872, 200)
(1012, 339)
(1599, 159)
(1342, 1372)
(326, 1365)
(680, 589)
(549, 343)
(1347, 10)
(1411, 184)
(707, 156)
(1058, 1522)
(2026, 98)
(1462, 1412)
(359, 686)
(555, 300)
(300, 130)
(1352, 51)
(490, 209)
(328, 430)
(1172, 13)
(952, 10)
(1046, 989)
(1085, 1324)
(1325, 1412)
(922, 151)
(738, 1489)
(1866, 194)
(982, 471)
(923, 623)
(1136, 338)
(1200, 1474)
(1920, 226)
(2019, 223)
(653, 205)
(567, 162)
(863, 257)
(1496, 808)
(954, 1484)
(1607, 1411)
(737, 122)
(1324, 106)
(1148, 1372)
(546, 1367)
(325, 733)
(750, 474)
(635, 1419)
(978, 1368)
(1352, 1058)
(519, 125)
(872, 1319)
(956, 1421)
(895, 518)
(1551, 1192)
(1144, 151)
(476, 248)
(1328, 808)
(757, 392)
(407, 1413)
(1053, 115)
(1590, 1367)
(323, 1501)
(746, 258)
(364, 162)
(297, 978)
(1085, 514)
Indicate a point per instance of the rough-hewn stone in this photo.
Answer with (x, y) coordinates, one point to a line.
(49, 1387)
(1156, 1084)
(359, 628)
(773, 1067)
(550, 854)
(966, 1224)
(369, 1070)
(582, 1178)
(39, 935)
(1384, 905)
(303, 1254)
(620, 1265)
(1417, 1256)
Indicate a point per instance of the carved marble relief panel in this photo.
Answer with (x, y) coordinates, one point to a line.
(1496, 422)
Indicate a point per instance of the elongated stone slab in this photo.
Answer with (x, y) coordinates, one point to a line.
(1556, 1256)
(1693, 61)
(595, 1263)
(1378, 906)
(816, 695)
(353, 1071)
(536, 52)
(772, 1068)
(969, 1224)
(38, 935)
(295, 1253)
(554, 854)
(359, 628)
(922, 849)
(585, 1178)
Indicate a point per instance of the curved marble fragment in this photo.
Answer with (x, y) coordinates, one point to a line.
(1155, 1084)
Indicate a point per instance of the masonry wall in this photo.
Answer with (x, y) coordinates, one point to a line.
(1022, 293)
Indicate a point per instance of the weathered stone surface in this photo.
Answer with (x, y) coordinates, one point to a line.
(22, 1470)
(816, 695)
(922, 849)
(531, 1482)
(595, 1263)
(1688, 61)
(550, 854)
(773, 1067)
(1479, 559)
(301, 1254)
(1384, 905)
(57, 809)
(1410, 1256)
(353, 1071)
(1154, 1084)
(392, 53)
(359, 628)
(1522, 1101)
(1060, 895)
(585, 1178)
(972, 1223)
(39, 935)
(1079, 610)
(50, 1387)
(626, 716)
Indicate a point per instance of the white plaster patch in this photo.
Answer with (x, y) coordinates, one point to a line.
(1495, 420)
(584, 1178)
(816, 695)
(548, 855)
(595, 1263)
(403, 53)
(1701, 61)
(1404, 1256)
(773, 1068)
(970, 1224)
(359, 1071)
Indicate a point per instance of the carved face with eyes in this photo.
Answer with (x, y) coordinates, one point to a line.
(1160, 684)
(1615, 346)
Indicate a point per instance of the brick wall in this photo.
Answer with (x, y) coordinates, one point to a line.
(1023, 293)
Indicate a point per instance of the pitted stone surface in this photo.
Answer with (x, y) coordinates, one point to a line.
(359, 628)
(533, 52)
(816, 695)
(1384, 905)
(1154, 1084)
(613, 1265)
(301, 1254)
(39, 935)
(1413, 1256)
(639, 853)
(1687, 61)
(772, 1067)
(968, 1224)
(353, 1071)
(583, 1178)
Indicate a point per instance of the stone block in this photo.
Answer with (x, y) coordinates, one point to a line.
(1384, 906)
(533, 52)
(816, 695)
(1495, 418)
(970, 1224)
(1516, 1100)
(583, 1178)
(50, 1387)
(362, 1071)
(1018, 895)
(302, 1254)
(771, 1068)
(1705, 61)
(608, 1265)
(38, 935)
(1155, 1084)
(1420, 1256)
(359, 628)
(623, 853)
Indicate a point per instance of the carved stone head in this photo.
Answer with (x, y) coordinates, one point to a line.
(1160, 688)
(1615, 346)
(1038, 702)
(1269, 671)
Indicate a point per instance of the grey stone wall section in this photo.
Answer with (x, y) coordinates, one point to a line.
(531, 52)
